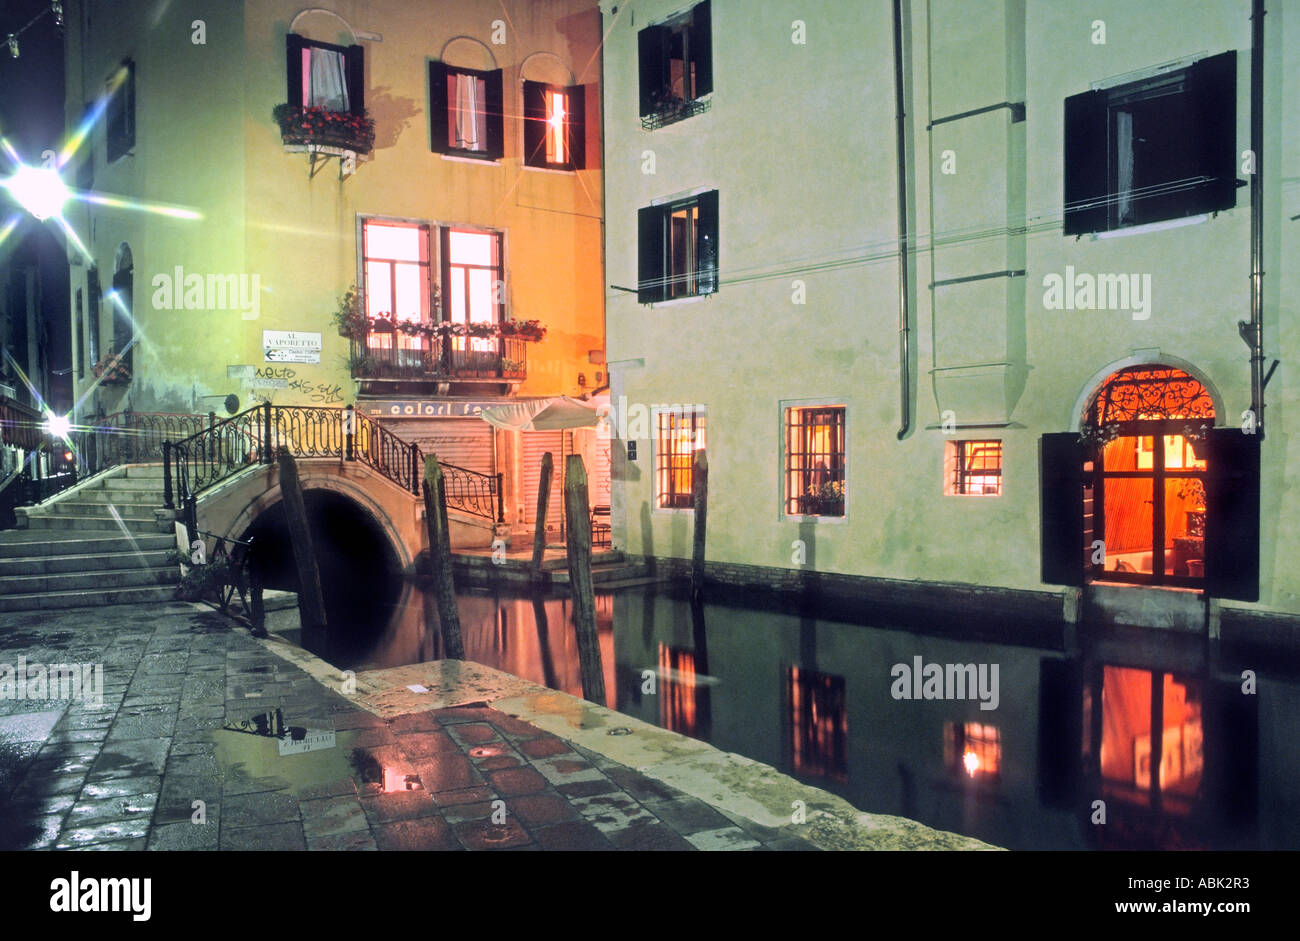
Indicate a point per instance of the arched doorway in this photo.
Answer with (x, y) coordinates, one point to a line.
(1146, 431)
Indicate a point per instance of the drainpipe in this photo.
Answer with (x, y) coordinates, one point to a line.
(1253, 331)
(904, 314)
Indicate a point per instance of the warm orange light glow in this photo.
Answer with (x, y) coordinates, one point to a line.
(677, 690)
(555, 152)
(972, 762)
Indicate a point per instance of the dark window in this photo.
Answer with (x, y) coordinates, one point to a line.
(80, 340)
(814, 461)
(678, 246)
(676, 61)
(679, 434)
(123, 321)
(1156, 149)
(975, 468)
(555, 126)
(92, 310)
(323, 75)
(120, 124)
(465, 112)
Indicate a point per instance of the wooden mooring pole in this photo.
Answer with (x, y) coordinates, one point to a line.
(700, 493)
(578, 546)
(311, 600)
(543, 501)
(444, 586)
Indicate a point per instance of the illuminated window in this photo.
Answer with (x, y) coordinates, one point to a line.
(973, 468)
(396, 266)
(473, 286)
(973, 749)
(466, 111)
(678, 247)
(819, 727)
(554, 126)
(679, 434)
(814, 461)
(323, 75)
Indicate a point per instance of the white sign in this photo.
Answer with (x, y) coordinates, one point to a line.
(314, 740)
(266, 383)
(291, 346)
(239, 372)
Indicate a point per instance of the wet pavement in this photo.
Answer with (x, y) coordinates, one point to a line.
(206, 740)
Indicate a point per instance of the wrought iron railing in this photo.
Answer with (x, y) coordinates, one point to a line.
(398, 356)
(20, 425)
(134, 437)
(255, 436)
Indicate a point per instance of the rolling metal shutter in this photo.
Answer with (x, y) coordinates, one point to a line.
(535, 444)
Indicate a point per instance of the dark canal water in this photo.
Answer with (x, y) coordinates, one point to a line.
(829, 702)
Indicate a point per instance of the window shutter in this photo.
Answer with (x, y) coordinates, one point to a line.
(534, 124)
(706, 243)
(576, 97)
(1060, 729)
(438, 107)
(496, 138)
(1232, 515)
(1213, 87)
(355, 61)
(652, 47)
(702, 47)
(650, 248)
(1060, 495)
(1086, 162)
(293, 47)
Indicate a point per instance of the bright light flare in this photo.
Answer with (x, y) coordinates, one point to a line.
(39, 190)
(58, 426)
(972, 762)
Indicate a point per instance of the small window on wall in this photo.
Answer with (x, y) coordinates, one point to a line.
(678, 248)
(80, 341)
(973, 749)
(395, 259)
(678, 435)
(973, 468)
(554, 126)
(814, 461)
(119, 126)
(323, 75)
(465, 112)
(676, 61)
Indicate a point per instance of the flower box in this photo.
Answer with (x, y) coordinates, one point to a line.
(322, 128)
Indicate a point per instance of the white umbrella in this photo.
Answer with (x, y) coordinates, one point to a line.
(542, 415)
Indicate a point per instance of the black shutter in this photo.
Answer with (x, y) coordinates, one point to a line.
(650, 249)
(534, 124)
(706, 243)
(702, 47)
(438, 107)
(1060, 496)
(1086, 162)
(354, 59)
(293, 47)
(652, 50)
(496, 135)
(1232, 515)
(1060, 730)
(1213, 88)
(576, 126)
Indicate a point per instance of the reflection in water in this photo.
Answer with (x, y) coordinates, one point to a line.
(811, 697)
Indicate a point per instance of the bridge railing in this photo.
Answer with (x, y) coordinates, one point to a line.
(218, 452)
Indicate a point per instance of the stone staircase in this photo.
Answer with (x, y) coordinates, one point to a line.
(105, 541)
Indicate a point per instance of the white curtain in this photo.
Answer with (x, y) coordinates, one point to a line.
(1124, 133)
(467, 113)
(329, 87)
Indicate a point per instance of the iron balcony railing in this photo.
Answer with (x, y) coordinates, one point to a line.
(255, 436)
(134, 437)
(393, 355)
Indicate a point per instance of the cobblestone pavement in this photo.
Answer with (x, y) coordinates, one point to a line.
(138, 772)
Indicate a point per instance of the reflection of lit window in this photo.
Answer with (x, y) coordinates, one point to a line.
(973, 468)
(679, 435)
(1127, 743)
(677, 690)
(396, 779)
(819, 726)
(973, 749)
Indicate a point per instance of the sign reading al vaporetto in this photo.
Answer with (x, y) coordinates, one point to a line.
(291, 346)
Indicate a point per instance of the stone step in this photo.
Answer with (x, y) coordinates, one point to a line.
(114, 580)
(603, 574)
(85, 599)
(134, 496)
(81, 507)
(129, 483)
(28, 544)
(122, 557)
(98, 523)
(145, 472)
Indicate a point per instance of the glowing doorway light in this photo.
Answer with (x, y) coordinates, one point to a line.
(39, 190)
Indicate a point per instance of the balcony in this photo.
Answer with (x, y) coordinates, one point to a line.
(394, 357)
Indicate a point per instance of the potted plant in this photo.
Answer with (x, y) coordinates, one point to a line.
(350, 317)
(112, 369)
(825, 499)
